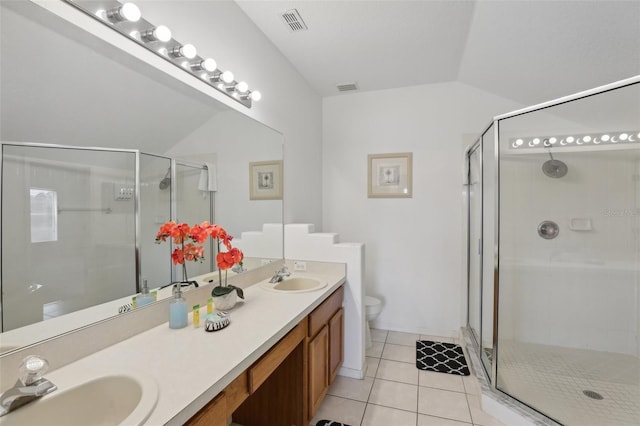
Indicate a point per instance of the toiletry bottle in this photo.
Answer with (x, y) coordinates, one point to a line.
(178, 317)
(196, 316)
(144, 298)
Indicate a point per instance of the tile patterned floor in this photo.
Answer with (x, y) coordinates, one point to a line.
(395, 393)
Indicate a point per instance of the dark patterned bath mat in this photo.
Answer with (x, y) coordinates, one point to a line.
(330, 423)
(441, 357)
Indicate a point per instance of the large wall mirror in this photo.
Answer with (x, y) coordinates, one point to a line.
(81, 122)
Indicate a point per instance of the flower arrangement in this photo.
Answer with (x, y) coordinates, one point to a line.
(188, 248)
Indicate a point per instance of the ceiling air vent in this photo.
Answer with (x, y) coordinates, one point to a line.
(347, 87)
(293, 20)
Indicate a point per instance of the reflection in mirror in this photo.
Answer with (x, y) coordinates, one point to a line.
(80, 202)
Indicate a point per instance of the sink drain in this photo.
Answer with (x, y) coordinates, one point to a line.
(593, 395)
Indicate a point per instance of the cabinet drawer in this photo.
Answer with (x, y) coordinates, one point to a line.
(263, 368)
(320, 316)
(236, 392)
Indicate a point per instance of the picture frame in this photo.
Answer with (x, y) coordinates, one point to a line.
(390, 175)
(265, 180)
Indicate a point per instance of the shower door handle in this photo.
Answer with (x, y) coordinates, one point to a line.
(479, 246)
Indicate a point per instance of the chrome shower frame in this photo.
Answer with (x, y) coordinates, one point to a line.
(491, 373)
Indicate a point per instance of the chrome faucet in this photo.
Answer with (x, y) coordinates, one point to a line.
(29, 387)
(280, 274)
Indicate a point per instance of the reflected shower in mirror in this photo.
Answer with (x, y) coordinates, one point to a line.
(94, 94)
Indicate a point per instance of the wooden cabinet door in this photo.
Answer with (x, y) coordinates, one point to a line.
(318, 369)
(336, 343)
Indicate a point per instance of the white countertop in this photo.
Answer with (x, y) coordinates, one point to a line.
(190, 365)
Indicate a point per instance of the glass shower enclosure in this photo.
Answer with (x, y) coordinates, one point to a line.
(553, 196)
(79, 224)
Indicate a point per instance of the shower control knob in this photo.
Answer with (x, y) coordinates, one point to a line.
(548, 230)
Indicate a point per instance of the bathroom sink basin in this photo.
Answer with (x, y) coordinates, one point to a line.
(109, 400)
(299, 285)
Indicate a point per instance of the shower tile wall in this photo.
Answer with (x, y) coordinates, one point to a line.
(596, 267)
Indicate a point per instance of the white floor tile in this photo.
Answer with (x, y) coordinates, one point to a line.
(397, 371)
(478, 416)
(471, 384)
(372, 366)
(346, 387)
(442, 403)
(340, 410)
(395, 395)
(424, 420)
(378, 335)
(437, 338)
(375, 350)
(444, 381)
(400, 338)
(399, 353)
(376, 415)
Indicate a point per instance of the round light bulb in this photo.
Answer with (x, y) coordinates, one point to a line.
(587, 138)
(188, 51)
(624, 136)
(519, 142)
(256, 96)
(553, 140)
(209, 64)
(227, 76)
(162, 33)
(513, 145)
(536, 141)
(242, 87)
(130, 12)
(605, 138)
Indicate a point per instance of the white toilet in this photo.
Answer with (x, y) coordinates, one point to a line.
(372, 308)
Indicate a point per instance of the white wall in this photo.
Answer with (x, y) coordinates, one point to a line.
(221, 30)
(414, 246)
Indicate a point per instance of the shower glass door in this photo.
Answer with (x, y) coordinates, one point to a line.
(68, 230)
(155, 209)
(193, 206)
(568, 316)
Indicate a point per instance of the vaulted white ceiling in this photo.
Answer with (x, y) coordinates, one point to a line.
(527, 51)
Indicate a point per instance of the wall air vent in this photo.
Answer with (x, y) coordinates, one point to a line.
(293, 20)
(347, 87)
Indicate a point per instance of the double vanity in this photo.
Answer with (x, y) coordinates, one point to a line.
(271, 366)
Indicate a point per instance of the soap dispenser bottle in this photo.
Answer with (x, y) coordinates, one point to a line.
(178, 317)
(144, 298)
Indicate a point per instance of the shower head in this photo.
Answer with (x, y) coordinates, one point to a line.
(553, 168)
(166, 181)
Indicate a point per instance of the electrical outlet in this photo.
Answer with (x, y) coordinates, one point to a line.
(299, 266)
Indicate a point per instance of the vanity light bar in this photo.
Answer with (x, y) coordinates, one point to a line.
(126, 18)
(608, 138)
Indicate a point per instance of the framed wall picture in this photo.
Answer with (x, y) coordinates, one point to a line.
(390, 175)
(265, 180)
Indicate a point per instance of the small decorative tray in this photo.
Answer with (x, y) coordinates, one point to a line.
(216, 321)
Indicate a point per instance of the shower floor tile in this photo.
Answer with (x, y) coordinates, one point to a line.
(552, 379)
